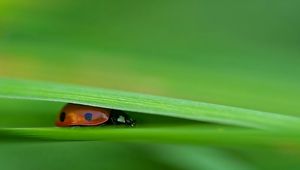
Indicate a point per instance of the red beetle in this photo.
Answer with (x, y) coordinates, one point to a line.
(81, 115)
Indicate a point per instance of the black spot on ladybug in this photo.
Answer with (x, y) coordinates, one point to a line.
(88, 116)
(62, 116)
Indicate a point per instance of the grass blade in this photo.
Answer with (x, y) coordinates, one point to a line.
(192, 135)
(34, 90)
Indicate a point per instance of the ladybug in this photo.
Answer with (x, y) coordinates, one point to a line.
(81, 115)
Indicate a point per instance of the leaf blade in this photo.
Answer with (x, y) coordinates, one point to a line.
(35, 90)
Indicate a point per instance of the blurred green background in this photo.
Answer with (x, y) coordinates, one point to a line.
(237, 53)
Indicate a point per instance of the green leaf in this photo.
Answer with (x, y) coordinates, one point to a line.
(185, 134)
(33, 90)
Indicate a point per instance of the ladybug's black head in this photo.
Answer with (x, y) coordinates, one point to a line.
(120, 117)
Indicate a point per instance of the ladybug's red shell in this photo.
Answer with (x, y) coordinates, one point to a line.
(80, 115)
